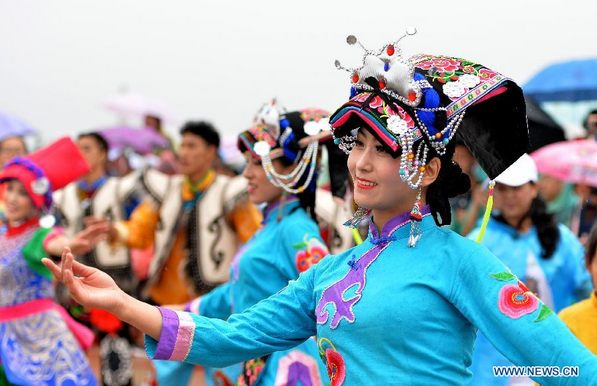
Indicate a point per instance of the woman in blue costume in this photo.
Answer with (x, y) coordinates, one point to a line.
(40, 344)
(287, 244)
(402, 308)
(546, 256)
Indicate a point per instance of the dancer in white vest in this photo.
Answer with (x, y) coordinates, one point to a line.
(196, 222)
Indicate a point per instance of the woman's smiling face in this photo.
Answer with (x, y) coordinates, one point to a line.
(18, 204)
(374, 172)
(260, 189)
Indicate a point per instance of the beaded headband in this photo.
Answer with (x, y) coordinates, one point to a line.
(274, 136)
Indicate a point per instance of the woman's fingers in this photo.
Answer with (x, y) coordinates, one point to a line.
(94, 231)
(67, 262)
(55, 269)
(82, 269)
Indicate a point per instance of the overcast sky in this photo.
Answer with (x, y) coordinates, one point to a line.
(220, 60)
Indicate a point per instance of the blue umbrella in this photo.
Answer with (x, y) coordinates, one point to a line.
(571, 81)
(11, 126)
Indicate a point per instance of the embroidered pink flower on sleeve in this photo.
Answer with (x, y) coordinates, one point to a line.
(309, 257)
(516, 300)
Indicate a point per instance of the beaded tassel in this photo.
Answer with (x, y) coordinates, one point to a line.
(357, 217)
(415, 219)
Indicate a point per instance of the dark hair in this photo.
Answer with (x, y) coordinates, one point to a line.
(451, 182)
(547, 227)
(99, 139)
(203, 129)
(585, 122)
(20, 138)
(591, 246)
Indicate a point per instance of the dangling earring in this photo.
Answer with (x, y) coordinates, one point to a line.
(415, 219)
(357, 217)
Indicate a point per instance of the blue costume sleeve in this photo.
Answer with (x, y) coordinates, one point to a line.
(517, 323)
(278, 323)
(217, 303)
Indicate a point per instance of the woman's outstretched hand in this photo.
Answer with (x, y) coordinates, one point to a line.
(87, 239)
(91, 287)
(94, 288)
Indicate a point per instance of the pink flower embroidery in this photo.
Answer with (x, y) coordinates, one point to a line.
(309, 257)
(410, 123)
(362, 97)
(376, 102)
(468, 69)
(336, 368)
(517, 300)
(486, 74)
(440, 64)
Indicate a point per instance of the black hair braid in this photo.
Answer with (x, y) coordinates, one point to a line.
(451, 182)
(547, 228)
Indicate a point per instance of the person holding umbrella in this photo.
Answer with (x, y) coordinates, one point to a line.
(544, 255)
(401, 308)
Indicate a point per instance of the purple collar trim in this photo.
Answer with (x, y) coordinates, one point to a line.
(394, 224)
(289, 204)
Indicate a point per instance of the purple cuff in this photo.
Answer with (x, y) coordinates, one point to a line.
(176, 339)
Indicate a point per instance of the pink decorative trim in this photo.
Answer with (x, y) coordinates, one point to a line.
(194, 306)
(83, 334)
(300, 357)
(51, 236)
(184, 337)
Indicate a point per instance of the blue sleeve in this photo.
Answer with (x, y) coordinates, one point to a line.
(303, 248)
(217, 303)
(515, 321)
(275, 324)
(582, 285)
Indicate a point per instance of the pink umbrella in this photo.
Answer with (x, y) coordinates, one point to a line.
(140, 140)
(571, 161)
(139, 105)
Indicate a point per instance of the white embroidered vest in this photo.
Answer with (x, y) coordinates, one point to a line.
(214, 242)
(332, 215)
(108, 202)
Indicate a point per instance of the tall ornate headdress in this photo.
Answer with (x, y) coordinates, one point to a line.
(429, 99)
(294, 135)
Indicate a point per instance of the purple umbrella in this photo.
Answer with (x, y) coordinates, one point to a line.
(11, 126)
(142, 140)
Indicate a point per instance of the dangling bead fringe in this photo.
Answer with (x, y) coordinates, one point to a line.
(487, 212)
(415, 234)
(357, 217)
(415, 219)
